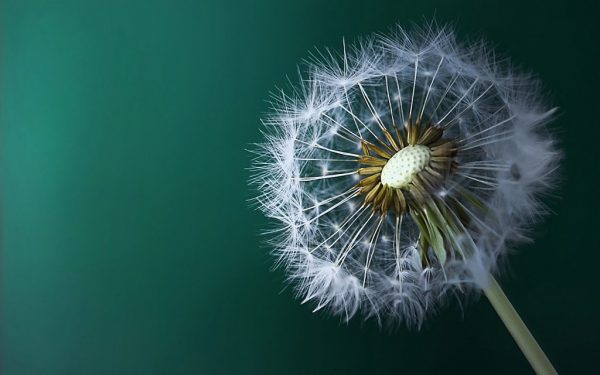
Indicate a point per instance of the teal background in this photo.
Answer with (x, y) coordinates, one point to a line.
(127, 243)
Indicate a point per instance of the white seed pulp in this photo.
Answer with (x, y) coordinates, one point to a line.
(399, 170)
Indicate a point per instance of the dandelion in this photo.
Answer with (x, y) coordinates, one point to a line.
(399, 172)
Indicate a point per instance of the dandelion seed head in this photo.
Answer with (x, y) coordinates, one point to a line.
(399, 170)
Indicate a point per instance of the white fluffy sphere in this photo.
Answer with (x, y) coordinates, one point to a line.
(394, 250)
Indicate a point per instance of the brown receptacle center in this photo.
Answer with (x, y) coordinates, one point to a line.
(405, 168)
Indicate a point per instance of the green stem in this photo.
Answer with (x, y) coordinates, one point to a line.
(519, 331)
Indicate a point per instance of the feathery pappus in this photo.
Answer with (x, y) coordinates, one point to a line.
(399, 170)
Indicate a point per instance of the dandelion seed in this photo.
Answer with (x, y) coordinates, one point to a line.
(440, 159)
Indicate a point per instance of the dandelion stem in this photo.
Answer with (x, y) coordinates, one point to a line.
(517, 328)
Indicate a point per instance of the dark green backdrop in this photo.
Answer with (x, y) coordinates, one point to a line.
(127, 243)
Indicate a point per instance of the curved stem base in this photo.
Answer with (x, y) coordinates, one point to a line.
(519, 331)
